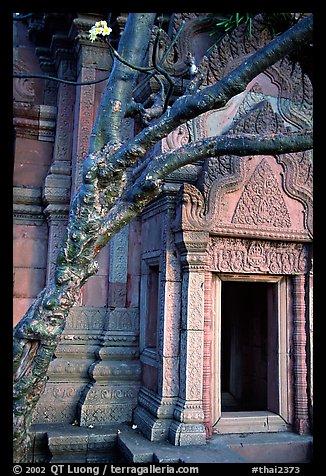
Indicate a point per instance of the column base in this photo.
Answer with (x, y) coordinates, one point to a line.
(302, 426)
(154, 429)
(182, 434)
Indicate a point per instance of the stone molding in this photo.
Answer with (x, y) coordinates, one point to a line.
(154, 414)
(27, 206)
(111, 395)
(35, 121)
(96, 370)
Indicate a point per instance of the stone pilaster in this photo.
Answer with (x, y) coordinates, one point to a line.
(301, 409)
(91, 58)
(188, 426)
(56, 188)
(118, 268)
(207, 366)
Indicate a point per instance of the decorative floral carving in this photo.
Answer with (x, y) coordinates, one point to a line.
(298, 182)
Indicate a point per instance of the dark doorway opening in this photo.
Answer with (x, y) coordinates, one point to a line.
(246, 358)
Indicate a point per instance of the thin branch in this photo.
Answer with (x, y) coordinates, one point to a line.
(23, 17)
(59, 80)
(127, 63)
(174, 40)
(159, 68)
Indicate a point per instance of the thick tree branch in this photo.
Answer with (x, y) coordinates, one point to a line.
(218, 94)
(122, 80)
(148, 185)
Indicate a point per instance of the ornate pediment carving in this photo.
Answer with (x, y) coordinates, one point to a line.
(261, 202)
(263, 197)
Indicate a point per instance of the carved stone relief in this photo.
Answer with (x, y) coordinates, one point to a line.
(236, 255)
(87, 350)
(278, 100)
(261, 202)
(262, 198)
(23, 88)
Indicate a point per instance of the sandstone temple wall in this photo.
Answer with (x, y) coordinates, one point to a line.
(142, 342)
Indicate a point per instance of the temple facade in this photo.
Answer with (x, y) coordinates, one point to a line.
(199, 320)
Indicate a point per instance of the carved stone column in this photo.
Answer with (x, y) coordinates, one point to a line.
(68, 371)
(301, 420)
(188, 427)
(91, 58)
(207, 367)
(56, 189)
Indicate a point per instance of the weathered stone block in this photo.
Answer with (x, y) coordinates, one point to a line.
(58, 402)
(107, 403)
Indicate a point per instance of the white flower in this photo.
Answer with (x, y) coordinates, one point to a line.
(100, 28)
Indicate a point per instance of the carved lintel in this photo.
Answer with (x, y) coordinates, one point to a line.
(232, 255)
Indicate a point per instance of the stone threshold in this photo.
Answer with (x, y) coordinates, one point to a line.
(250, 422)
(278, 447)
(120, 444)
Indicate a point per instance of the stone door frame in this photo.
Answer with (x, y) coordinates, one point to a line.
(282, 406)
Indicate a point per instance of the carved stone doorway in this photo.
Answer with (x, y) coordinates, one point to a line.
(250, 365)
